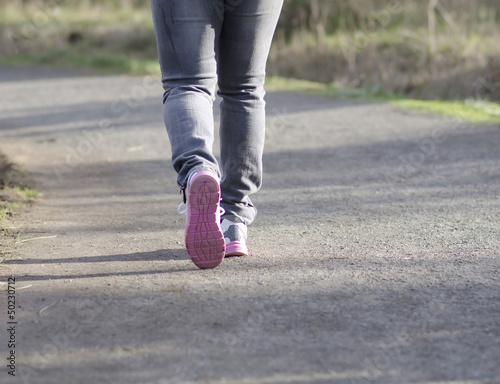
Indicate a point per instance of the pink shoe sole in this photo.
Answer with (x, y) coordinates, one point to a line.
(204, 239)
(236, 248)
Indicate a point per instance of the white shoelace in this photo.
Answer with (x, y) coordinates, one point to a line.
(182, 209)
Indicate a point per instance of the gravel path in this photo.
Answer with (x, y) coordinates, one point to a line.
(374, 258)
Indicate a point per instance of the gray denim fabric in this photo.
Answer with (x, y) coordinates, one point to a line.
(202, 43)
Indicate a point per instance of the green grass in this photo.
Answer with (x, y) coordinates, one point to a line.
(282, 84)
(476, 111)
(23, 193)
(75, 59)
(7, 210)
(17, 197)
(479, 111)
(4, 212)
(319, 89)
(28, 193)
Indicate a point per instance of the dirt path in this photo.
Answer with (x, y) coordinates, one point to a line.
(374, 259)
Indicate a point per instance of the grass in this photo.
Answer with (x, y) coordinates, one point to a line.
(29, 194)
(16, 194)
(75, 59)
(13, 200)
(4, 212)
(276, 83)
(475, 111)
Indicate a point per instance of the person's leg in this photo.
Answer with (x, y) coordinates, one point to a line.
(187, 32)
(245, 40)
(186, 35)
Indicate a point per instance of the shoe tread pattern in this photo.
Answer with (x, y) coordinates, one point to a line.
(204, 239)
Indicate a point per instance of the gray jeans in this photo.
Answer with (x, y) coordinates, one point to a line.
(202, 43)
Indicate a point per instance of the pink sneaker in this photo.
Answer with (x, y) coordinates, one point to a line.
(235, 236)
(204, 238)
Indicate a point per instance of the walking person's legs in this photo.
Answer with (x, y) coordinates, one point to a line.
(198, 40)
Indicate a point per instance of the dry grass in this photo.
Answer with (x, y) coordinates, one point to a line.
(377, 44)
(397, 62)
(16, 194)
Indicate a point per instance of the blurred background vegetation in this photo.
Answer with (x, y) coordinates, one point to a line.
(429, 49)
